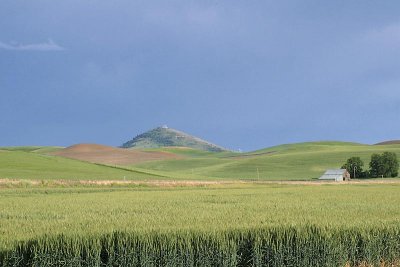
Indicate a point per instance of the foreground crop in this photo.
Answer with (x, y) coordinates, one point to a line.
(217, 225)
(282, 246)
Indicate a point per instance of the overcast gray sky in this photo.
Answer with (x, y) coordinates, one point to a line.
(242, 74)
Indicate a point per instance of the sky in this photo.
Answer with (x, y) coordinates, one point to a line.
(242, 74)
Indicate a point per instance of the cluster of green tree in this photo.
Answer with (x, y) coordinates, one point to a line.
(381, 165)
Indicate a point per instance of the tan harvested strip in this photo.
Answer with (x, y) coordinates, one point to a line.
(161, 183)
(5, 182)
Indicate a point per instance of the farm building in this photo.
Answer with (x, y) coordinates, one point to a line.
(336, 175)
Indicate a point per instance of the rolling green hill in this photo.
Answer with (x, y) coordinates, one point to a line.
(167, 137)
(35, 149)
(300, 161)
(20, 164)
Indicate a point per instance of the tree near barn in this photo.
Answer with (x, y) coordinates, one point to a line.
(385, 165)
(391, 164)
(376, 165)
(354, 166)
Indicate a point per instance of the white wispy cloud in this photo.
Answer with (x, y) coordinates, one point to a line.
(388, 35)
(50, 45)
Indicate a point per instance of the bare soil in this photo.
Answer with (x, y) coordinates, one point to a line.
(111, 155)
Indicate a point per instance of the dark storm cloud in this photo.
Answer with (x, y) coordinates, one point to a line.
(244, 74)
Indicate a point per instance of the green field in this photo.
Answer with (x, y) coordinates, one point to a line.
(18, 164)
(86, 218)
(102, 209)
(34, 149)
(301, 161)
(215, 216)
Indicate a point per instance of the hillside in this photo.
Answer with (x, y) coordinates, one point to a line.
(29, 165)
(391, 142)
(300, 161)
(33, 149)
(168, 137)
(111, 155)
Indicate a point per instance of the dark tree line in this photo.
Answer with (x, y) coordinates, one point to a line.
(381, 165)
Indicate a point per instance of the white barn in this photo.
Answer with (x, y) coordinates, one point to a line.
(336, 175)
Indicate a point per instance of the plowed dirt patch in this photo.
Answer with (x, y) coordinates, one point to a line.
(112, 155)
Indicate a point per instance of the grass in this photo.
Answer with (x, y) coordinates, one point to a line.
(99, 209)
(151, 223)
(190, 152)
(302, 161)
(30, 148)
(217, 219)
(19, 164)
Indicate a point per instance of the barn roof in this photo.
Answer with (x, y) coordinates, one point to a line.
(333, 174)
